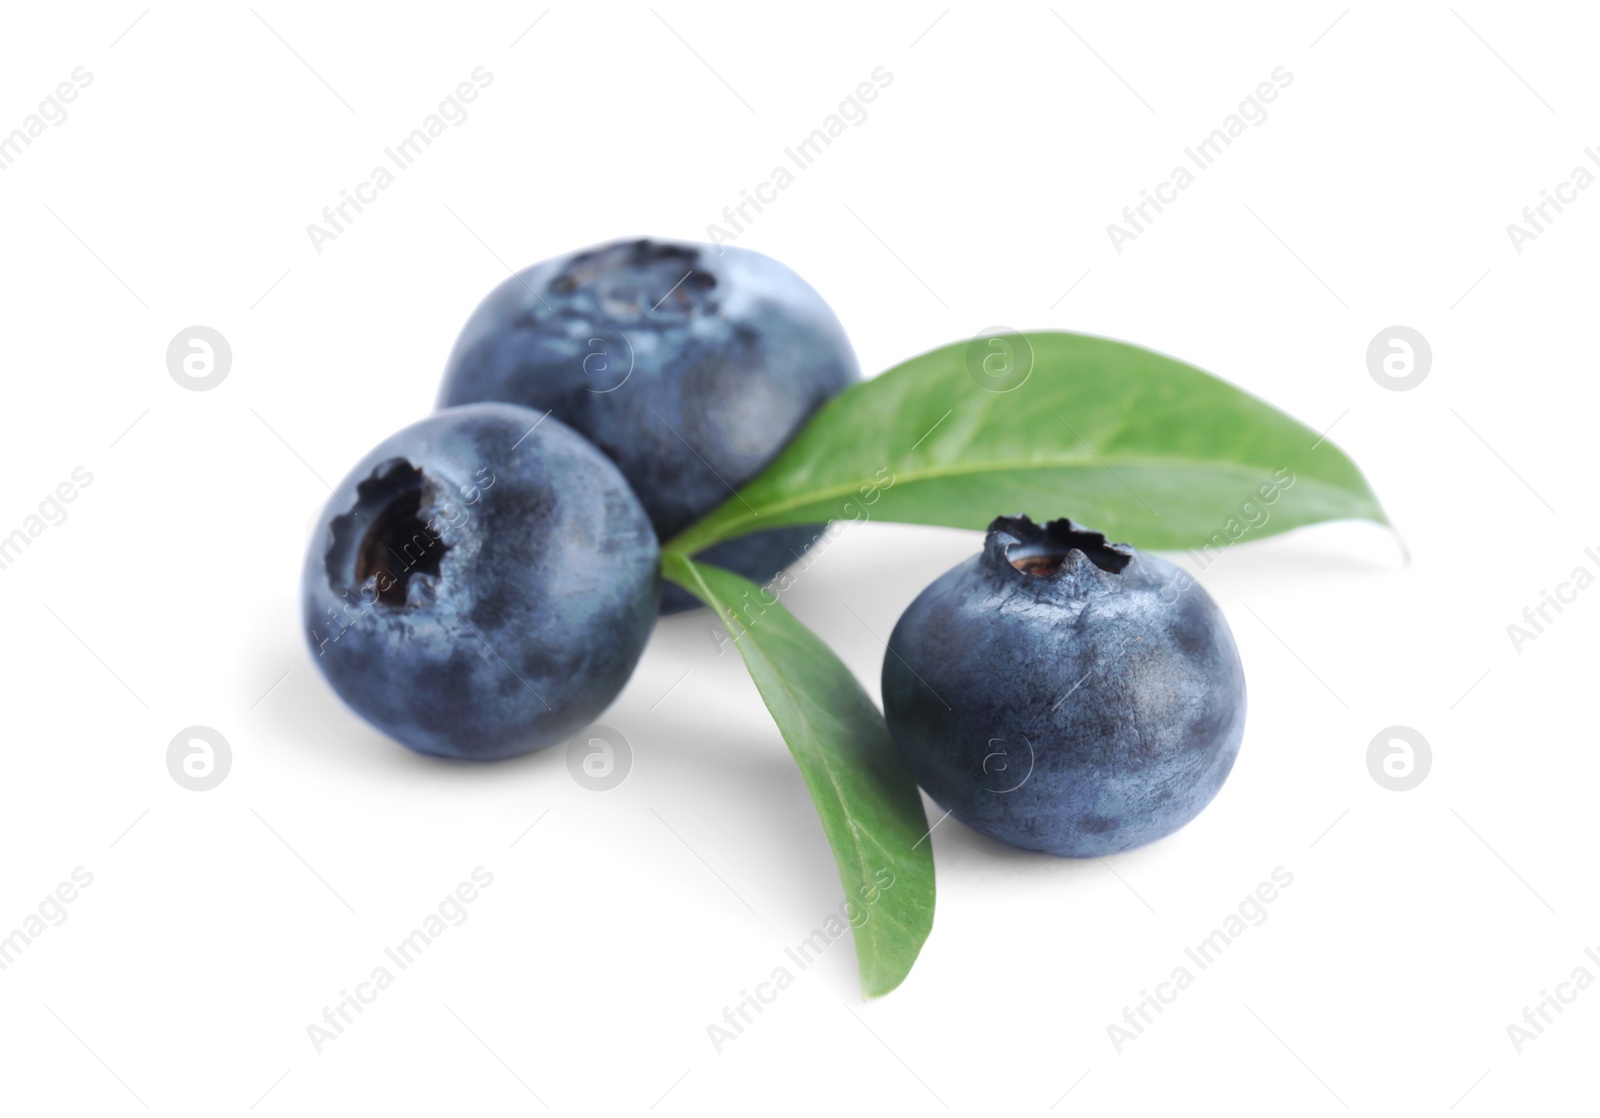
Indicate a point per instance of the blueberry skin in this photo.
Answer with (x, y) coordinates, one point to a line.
(1079, 711)
(476, 589)
(690, 366)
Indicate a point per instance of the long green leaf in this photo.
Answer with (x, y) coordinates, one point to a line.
(870, 808)
(1126, 441)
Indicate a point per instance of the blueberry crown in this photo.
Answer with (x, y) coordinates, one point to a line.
(1042, 550)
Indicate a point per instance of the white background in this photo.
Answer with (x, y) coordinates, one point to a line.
(219, 924)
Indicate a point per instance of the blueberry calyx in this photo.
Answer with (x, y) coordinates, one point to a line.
(388, 536)
(624, 280)
(1053, 551)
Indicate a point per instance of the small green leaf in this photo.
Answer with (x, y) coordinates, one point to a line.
(870, 808)
(1147, 449)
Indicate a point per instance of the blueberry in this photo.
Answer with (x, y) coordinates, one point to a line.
(688, 365)
(1063, 694)
(481, 584)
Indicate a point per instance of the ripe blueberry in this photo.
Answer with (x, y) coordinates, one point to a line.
(689, 366)
(481, 584)
(1064, 694)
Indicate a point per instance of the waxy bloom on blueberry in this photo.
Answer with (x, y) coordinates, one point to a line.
(689, 366)
(1064, 694)
(481, 584)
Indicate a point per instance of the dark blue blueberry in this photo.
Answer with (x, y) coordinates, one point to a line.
(1063, 694)
(688, 365)
(481, 584)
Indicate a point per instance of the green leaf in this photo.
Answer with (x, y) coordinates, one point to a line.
(1145, 448)
(870, 808)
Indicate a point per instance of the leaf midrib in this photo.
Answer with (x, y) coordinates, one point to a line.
(830, 492)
